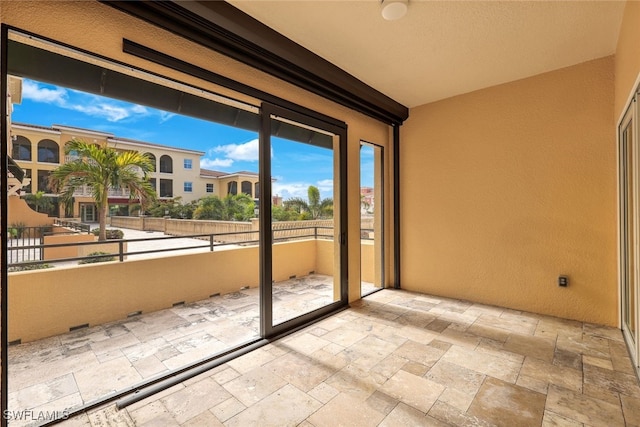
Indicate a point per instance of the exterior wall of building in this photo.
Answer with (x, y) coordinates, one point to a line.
(627, 59)
(100, 29)
(506, 188)
(48, 302)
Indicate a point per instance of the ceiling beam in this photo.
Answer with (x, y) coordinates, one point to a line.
(226, 29)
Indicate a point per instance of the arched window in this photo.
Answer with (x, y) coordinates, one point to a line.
(232, 188)
(166, 164)
(21, 149)
(256, 193)
(152, 159)
(246, 188)
(48, 151)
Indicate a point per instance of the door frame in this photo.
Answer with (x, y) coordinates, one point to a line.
(629, 117)
(267, 328)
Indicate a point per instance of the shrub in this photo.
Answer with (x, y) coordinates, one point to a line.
(94, 257)
(111, 233)
(29, 267)
(16, 230)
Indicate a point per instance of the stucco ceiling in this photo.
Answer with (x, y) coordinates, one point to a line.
(445, 48)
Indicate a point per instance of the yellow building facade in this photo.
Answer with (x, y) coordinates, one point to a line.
(38, 150)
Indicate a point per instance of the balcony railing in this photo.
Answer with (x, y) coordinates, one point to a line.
(85, 191)
(35, 249)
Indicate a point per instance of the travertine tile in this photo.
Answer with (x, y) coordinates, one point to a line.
(288, 406)
(386, 361)
(354, 381)
(614, 381)
(505, 404)
(195, 399)
(251, 360)
(154, 414)
(581, 408)
(381, 402)
(420, 353)
(452, 416)
(552, 374)
(227, 409)
(344, 337)
(300, 370)
(487, 364)
(204, 419)
(554, 420)
(110, 376)
(253, 386)
(405, 415)
(403, 386)
(323, 392)
(531, 346)
(110, 417)
(346, 411)
(597, 361)
(456, 377)
(631, 410)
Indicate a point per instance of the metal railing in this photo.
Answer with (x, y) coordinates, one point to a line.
(210, 242)
(74, 225)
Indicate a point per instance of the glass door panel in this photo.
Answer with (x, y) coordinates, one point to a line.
(371, 218)
(303, 271)
(628, 221)
(305, 244)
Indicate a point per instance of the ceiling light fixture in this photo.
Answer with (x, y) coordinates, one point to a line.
(394, 9)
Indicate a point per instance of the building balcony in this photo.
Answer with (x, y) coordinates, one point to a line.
(85, 191)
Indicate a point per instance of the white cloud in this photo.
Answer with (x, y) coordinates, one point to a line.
(247, 151)
(215, 163)
(92, 105)
(288, 191)
(34, 92)
(301, 189)
(112, 113)
(325, 186)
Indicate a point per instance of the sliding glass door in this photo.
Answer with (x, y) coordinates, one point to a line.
(629, 237)
(371, 218)
(304, 273)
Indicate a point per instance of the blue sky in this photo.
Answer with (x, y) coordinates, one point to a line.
(294, 165)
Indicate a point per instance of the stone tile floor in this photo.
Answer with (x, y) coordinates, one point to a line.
(400, 358)
(72, 369)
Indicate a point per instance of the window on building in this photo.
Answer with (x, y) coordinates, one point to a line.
(256, 193)
(27, 188)
(188, 164)
(166, 188)
(48, 151)
(188, 187)
(232, 188)
(209, 188)
(247, 188)
(43, 181)
(152, 158)
(21, 149)
(152, 181)
(166, 164)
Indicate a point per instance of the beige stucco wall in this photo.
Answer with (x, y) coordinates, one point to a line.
(18, 211)
(48, 302)
(506, 188)
(100, 29)
(627, 59)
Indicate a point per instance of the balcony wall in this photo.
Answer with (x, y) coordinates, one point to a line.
(48, 302)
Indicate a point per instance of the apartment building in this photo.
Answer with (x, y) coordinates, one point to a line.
(177, 173)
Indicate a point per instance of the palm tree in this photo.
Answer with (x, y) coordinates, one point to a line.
(315, 208)
(103, 169)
